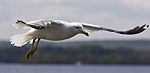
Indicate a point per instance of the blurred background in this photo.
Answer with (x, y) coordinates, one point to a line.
(102, 52)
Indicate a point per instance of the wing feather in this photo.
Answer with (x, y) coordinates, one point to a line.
(90, 27)
(37, 24)
(135, 30)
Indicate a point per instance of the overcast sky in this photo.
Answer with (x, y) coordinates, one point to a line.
(116, 14)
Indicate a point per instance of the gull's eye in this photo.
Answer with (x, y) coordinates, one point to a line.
(77, 27)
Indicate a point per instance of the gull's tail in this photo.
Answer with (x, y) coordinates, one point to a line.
(20, 39)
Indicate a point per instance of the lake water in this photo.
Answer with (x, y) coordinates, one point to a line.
(33, 68)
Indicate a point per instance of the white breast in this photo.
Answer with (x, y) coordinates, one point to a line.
(52, 34)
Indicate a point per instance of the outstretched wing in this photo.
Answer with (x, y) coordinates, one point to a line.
(135, 30)
(37, 24)
(90, 27)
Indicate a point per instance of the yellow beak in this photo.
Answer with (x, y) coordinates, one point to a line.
(85, 33)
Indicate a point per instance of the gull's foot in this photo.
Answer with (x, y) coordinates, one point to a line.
(30, 54)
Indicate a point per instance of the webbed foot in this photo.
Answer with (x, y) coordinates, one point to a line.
(30, 53)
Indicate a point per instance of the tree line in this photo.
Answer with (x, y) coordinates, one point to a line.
(87, 52)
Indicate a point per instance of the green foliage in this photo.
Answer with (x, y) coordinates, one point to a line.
(87, 53)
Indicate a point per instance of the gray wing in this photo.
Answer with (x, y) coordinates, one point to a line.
(135, 30)
(39, 24)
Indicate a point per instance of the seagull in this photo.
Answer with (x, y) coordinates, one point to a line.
(56, 30)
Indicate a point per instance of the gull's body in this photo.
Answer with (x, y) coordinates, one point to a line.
(56, 30)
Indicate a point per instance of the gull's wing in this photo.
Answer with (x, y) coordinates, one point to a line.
(90, 27)
(135, 30)
(37, 24)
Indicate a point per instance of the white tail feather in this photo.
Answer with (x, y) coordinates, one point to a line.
(20, 39)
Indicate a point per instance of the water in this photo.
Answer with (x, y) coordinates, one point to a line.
(32, 68)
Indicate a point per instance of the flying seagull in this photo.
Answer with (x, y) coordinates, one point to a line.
(56, 30)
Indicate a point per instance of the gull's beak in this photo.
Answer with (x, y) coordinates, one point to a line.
(84, 32)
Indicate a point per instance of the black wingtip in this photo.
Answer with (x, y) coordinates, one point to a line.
(136, 30)
(147, 25)
(20, 21)
(139, 29)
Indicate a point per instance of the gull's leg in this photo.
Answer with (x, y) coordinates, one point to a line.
(38, 40)
(28, 54)
(34, 48)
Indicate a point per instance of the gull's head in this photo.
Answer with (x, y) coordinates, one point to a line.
(78, 28)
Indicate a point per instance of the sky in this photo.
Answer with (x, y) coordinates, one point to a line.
(116, 14)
